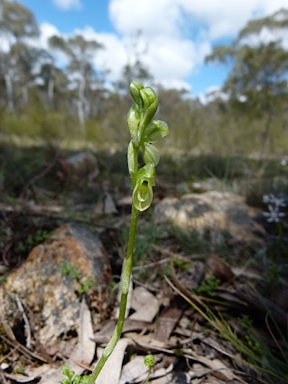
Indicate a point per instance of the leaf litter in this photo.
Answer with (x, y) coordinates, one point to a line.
(193, 336)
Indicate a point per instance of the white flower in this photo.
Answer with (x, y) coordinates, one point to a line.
(274, 205)
(266, 199)
(274, 215)
(284, 161)
(279, 202)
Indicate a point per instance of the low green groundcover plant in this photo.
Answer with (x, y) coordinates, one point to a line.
(144, 131)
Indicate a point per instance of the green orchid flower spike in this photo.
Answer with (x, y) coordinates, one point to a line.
(144, 132)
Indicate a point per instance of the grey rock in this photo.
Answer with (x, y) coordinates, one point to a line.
(213, 211)
(48, 282)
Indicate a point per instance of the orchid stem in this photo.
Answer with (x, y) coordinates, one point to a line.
(143, 132)
(126, 275)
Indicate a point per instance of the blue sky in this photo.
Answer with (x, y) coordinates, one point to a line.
(176, 34)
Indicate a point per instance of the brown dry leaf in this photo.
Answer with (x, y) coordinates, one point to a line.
(32, 373)
(109, 205)
(173, 378)
(219, 268)
(224, 347)
(198, 371)
(105, 332)
(106, 329)
(129, 300)
(166, 322)
(145, 304)
(229, 295)
(221, 371)
(133, 370)
(217, 367)
(19, 378)
(161, 372)
(83, 352)
(125, 201)
(61, 347)
(112, 369)
(211, 380)
(149, 344)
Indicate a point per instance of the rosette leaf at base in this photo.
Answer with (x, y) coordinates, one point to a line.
(143, 191)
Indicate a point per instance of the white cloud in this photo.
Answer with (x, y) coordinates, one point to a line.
(168, 60)
(224, 18)
(112, 57)
(179, 33)
(68, 4)
(176, 84)
(211, 94)
(173, 60)
(266, 36)
(169, 56)
(176, 34)
(151, 17)
(47, 30)
(219, 18)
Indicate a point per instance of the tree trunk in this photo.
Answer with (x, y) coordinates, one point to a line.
(25, 94)
(266, 136)
(51, 85)
(80, 104)
(9, 92)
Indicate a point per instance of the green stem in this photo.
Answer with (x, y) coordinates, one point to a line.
(126, 274)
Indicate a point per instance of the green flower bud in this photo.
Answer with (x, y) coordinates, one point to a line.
(155, 131)
(148, 116)
(148, 96)
(135, 92)
(133, 118)
(149, 361)
(150, 154)
(143, 192)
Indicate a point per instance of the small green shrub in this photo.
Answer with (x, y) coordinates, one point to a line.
(209, 285)
(33, 240)
(71, 378)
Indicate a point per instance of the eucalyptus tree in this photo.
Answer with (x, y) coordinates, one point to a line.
(17, 24)
(53, 84)
(27, 61)
(258, 64)
(80, 69)
(133, 71)
(134, 68)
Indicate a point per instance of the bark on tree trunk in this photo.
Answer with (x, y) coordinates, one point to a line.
(80, 104)
(51, 85)
(9, 92)
(25, 94)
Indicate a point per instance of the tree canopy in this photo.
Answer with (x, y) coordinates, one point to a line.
(258, 70)
(42, 95)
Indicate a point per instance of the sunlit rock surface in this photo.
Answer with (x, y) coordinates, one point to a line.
(215, 212)
(48, 282)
